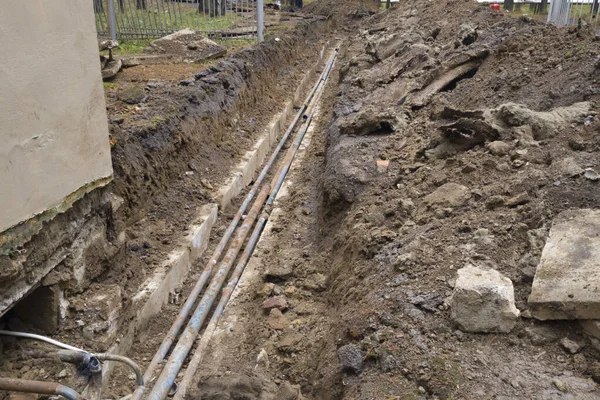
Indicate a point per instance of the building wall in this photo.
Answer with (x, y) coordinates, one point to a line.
(53, 124)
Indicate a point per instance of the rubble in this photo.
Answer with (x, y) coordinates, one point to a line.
(483, 301)
(567, 279)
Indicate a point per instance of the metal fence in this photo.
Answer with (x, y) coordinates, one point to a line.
(146, 19)
(570, 12)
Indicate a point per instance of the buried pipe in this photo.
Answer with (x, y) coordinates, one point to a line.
(168, 375)
(127, 361)
(169, 339)
(252, 242)
(41, 338)
(38, 387)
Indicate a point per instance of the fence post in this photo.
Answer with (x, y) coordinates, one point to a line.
(260, 19)
(112, 20)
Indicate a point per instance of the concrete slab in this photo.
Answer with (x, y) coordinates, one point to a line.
(567, 279)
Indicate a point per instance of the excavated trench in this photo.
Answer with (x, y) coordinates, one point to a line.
(422, 157)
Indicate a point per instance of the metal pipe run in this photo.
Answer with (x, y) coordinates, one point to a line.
(129, 362)
(38, 387)
(197, 289)
(225, 296)
(253, 241)
(41, 338)
(186, 341)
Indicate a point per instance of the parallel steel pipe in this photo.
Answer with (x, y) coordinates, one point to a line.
(254, 238)
(185, 311)
(186, 341)
(38, 387)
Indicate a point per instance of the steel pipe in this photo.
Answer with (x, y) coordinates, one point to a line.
(252, 242)
(41, 338)
(185, 311)
(186, 341)
(38, 387)
(225, 296)
(129, 362)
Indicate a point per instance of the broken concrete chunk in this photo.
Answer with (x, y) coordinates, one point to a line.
(567, 279)
(483, 301)
(499, 148)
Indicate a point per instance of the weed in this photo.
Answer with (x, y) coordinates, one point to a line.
(109, 85)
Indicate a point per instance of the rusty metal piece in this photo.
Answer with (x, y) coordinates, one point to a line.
(39, 387)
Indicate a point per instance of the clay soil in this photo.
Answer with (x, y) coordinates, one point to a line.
(366, 247)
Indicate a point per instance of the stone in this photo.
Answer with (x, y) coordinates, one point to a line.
(448, 195)
(499, 148)
(580, 363)
(567, 279)
(570, 345)
(278, 273)
(483, 301)
(561, 385)
(278, 302)
(567, 167)
(351, 358)
(132, 95)
(277, 320)
(266, 290)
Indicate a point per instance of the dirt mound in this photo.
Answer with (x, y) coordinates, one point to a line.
(340, 11)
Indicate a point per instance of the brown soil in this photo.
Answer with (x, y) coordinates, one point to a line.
(389, 261)
(365, 262)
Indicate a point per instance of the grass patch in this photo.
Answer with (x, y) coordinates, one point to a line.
(109, 85)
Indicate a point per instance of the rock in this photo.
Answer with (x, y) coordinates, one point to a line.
(278, 273)
(560, 385)
(266, 290)
(518, 200)
(448, 195)
(62, 374)
(111, 69)
(567, 167)
(277, 320)
(591, 175)
(570, 346)
(132, 95)
(351, 358)
(499, 148)
(483, 301)
(278, 302)
(494, 202)
(426, 301)
(567, 279)
(315, 282)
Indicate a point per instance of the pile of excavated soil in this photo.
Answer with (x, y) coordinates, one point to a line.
(457, 134)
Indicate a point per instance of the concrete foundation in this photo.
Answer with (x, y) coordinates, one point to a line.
(567, 279)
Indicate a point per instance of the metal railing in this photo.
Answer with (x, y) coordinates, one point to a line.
(147, 19)
(570, 12)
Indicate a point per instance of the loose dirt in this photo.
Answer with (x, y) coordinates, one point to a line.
(365, 252)
(449, 134)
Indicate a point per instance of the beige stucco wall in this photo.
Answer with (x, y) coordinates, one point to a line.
(53, 126)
